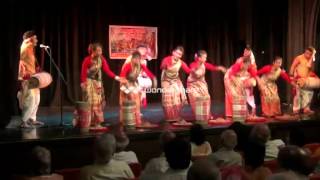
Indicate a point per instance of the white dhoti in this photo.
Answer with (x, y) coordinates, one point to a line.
(302, 99)
(29, 103)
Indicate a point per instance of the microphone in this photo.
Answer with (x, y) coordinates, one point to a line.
(44, 46)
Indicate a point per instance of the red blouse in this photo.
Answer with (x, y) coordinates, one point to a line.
(167, 62)
(267, 69)
(87, 63)
(208, 66)
(237, 67)
(127, 69)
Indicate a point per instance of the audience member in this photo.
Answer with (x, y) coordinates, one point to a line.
(40, 166)
(203, 169)
(226, 156)
(104, 166)
(243, 133)
(178, 155)
(199, 145)
(122, 141)
(254, 158)
(261, 134)
(159, 165)
(295, 162)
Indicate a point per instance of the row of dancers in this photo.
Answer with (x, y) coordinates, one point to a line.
(135, 78)
(239, 81)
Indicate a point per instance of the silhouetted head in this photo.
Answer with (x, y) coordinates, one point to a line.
(203, 169)
(104, 147)
(178, 154)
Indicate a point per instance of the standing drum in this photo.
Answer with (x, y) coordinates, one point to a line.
(309, 83)
(202, 109)
(239, 108)
(40, 80)
(82, 114)
(129, 113)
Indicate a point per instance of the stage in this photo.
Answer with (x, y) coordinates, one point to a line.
(72, 147)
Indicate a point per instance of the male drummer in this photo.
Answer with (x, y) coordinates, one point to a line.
(28, 98)
(301, 68)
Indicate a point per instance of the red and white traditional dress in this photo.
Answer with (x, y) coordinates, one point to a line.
(249, 90)
(270, 100)
(143, 80)
(131, 91)
(93, 92)
(196, 84)
(173, 92)
(236, 80)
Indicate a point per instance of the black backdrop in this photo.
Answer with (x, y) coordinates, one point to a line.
(220, 27)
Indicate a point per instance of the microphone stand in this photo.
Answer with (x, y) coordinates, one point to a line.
(61, 77)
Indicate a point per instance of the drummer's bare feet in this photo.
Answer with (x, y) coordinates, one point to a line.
(267, 116)
(253, 112)
(183, 121)
(97, 126)
(35, 122)
(145, 124)
(26, 125)
(295, 112)
(308, 111)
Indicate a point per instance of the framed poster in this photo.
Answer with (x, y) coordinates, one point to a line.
(123, 40)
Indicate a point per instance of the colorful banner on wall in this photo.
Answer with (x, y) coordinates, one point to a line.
(123, 40)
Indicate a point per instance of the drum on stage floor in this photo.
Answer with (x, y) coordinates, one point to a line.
(82, 114)
(239, 108)
(202, 108)
(40, 80)
(129, 113)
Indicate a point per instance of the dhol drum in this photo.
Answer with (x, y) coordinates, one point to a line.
(129, 113)
(309, 83)
(239, 109)
(82, 115)
(40, 80)
(202, 109)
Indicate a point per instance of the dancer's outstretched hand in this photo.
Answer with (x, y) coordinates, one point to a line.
(222, 69)
(123, 80)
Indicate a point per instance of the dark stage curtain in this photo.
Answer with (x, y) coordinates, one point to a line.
(222, 28)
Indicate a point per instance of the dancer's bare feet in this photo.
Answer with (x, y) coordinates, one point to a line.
(97, 126)
(36, 123)
(253, 112)
(295, 112)
(308, 111)
(26, 125)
